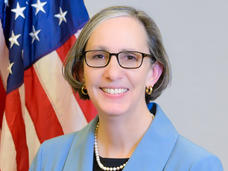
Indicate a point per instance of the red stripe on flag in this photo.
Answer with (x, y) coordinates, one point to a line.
(39, 107)
(13, 114)
(2, 101)
(64, 49)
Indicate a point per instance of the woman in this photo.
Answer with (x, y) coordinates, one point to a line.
(120, 64)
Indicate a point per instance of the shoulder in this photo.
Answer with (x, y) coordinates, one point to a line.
(55, 149)
(54, 152)
(60, 142)
(189, 156)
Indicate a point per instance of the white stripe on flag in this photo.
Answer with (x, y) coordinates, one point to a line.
(4, 58)
(7, 149)
(77, 33)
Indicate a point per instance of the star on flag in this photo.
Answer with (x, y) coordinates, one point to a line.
(34, 34)
(61, 16)
(18, 11)
(13, 39)
(10, 68)
(39, 6)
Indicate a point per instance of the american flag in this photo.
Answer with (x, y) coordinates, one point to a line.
(36, 103)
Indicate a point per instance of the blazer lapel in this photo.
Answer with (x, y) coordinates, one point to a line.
(154, 149)
(80, 156)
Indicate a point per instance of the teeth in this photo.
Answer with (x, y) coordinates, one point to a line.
(114, 91)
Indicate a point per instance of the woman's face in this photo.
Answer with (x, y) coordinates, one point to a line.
(112, 89)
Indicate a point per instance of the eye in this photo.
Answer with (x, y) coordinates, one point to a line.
(129, 56)
(98, 56)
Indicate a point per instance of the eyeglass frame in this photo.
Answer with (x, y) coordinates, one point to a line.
(83, 54)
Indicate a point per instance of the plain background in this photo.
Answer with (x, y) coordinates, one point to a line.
(195, 34)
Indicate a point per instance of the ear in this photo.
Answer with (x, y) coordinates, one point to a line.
(155, 73)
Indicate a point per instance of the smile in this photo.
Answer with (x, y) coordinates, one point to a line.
(114, 90)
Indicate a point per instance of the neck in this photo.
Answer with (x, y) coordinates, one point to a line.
(118, 136)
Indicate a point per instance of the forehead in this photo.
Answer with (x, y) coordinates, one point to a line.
(119, 33)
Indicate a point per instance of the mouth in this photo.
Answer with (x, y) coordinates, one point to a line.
(114, 91)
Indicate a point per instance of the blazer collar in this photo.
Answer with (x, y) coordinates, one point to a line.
(156, 146)
(152, 152)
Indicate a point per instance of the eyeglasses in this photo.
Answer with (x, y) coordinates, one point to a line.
(126, 59)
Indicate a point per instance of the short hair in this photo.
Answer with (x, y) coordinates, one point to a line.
(73, 68)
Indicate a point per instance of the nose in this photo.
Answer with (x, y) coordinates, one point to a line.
(113, 70)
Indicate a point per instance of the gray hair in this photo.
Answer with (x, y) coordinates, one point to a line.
(74, 63)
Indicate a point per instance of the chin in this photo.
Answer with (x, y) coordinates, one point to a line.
(113, 109)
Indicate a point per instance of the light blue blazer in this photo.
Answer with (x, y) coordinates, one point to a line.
(161, 149)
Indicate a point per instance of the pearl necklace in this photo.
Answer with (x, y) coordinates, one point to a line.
(98, 157)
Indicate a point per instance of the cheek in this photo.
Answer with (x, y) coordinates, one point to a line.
(137, 80)
(91, 77)
(88, 79)
(143, 76)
